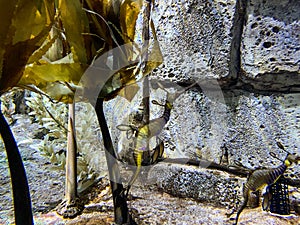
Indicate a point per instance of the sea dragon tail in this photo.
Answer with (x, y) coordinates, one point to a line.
(138, 156)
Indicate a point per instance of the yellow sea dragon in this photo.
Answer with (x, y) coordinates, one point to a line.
(260, 178)
(149, 130)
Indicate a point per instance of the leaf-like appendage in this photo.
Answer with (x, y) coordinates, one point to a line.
(129, 12)
(89, 27)
(75, 23)
(46, 78)
(20, 37)
(7, 9)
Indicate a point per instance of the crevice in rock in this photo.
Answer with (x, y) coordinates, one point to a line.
(236, 32)
(257, 88)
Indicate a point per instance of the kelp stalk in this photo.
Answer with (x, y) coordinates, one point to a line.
(146, 88)
(71, 162)
(120, 204)
(21, 195)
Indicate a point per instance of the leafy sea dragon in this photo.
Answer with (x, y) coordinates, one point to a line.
(260, 178)
(149, 130)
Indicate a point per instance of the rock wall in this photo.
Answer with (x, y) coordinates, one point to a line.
(244, 55)
(252, 50)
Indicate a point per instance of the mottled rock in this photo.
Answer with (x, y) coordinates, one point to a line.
(198, 123)
(195, 38)
(270, 45)
(256, 123)
(204, 185)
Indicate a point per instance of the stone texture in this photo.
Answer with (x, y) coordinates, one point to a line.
(197, 124)
(270, 50)
(256, 123)
(204, 185)
(195, 38)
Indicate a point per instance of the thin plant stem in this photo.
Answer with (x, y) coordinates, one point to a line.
(119, 199)
(21, 195)
(71, 161)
